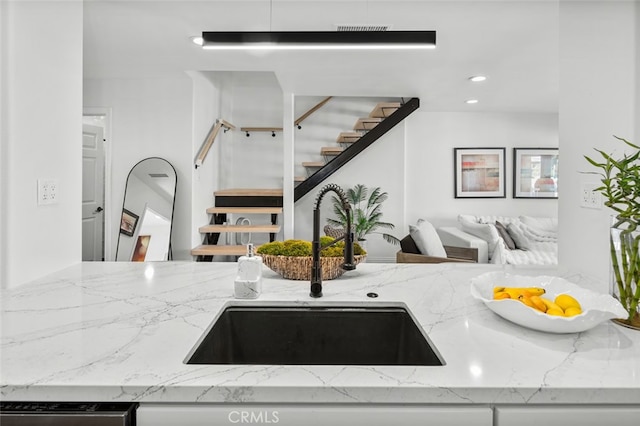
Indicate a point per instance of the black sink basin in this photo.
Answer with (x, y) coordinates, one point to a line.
(314, 336)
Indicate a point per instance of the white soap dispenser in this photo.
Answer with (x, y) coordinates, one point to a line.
(248, 284)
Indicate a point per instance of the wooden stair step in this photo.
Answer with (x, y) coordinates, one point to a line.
(249, 192)
(348, 137)
(367, 123)
(331, 150)
(299, 178)
(248, 197)
(313, 164)
(240, 228)
(245, 210)
(384, 109)
(213, 250)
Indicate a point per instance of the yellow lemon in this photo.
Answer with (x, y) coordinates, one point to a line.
(565, 301)
(554, 311)
(572, 311)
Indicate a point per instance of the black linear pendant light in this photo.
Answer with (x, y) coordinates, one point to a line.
(280, 40)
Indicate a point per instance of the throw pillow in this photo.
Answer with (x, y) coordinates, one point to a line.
(518, 237)
(407, 245)
(486, 231)
(502, 230)
(427, 239)
(549, 224)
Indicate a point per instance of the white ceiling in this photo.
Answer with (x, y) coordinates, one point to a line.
(514, 43)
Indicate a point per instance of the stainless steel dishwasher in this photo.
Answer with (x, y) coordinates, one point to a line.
(67, 414)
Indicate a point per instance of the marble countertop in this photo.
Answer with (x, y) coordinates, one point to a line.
(121, 331)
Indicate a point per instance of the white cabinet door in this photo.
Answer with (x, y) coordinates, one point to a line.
(585, 415)
(311, 415)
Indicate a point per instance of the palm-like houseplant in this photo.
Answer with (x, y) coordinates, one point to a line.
(621, 189)
(366, 210)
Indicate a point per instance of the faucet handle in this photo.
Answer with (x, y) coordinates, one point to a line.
(348, 266)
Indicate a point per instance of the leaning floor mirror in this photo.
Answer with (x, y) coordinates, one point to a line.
(147, 212)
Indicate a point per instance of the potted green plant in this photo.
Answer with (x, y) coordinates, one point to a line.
(366, 210)
(621, 190)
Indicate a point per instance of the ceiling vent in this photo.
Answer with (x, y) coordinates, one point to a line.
(363, 27)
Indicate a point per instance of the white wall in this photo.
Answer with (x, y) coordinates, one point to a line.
(431, 138)
(255, 161)
(381, 164)
(598, 98)
(206, 110)
(636, 139)
(41, 137)
(4, 138)
(414, 164)
(151, 118)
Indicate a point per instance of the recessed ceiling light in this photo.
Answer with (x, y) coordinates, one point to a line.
(198, 40)
(471, 101)
(477, 78)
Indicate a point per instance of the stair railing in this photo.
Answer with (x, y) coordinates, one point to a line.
(311, 111)
(356, 148)
(208, 142)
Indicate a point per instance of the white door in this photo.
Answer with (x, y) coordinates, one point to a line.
(92, 193)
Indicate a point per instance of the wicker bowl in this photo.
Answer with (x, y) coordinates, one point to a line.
(299, 267)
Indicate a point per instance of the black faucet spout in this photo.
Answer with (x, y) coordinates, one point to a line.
(349, 262)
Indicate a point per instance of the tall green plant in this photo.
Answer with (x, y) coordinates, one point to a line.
(366, 213)
(620, 187)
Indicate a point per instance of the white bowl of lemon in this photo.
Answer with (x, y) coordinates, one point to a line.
(544, 303)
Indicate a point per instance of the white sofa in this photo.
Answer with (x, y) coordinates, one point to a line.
(522, 240)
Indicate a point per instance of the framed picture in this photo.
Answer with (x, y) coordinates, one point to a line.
(140, 250)
(128, 222)
(535, 173)
(479, 173)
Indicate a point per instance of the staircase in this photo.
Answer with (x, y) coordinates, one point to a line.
(362, 126)
(366, 130)
(230, 202)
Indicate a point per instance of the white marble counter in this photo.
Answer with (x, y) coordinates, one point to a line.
(121, 331)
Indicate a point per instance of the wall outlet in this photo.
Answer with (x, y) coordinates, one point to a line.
(47, 191)
(589, 197)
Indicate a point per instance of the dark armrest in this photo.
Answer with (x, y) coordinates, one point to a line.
(402, 257)
(464, 253)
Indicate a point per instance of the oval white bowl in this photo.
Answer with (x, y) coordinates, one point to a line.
(596, 307)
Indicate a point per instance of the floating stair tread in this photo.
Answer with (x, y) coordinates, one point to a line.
(249, 192)
(367, 123)
(239, 228)
(384, 109)
(246, 210)
(313, 164)
(212, 250)
(331, 150)
(299, 178)
(348, 137)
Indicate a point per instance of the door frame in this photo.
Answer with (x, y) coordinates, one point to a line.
(108, 208)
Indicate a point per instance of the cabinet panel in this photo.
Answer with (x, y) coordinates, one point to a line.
(592, 415)
(311, 415)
